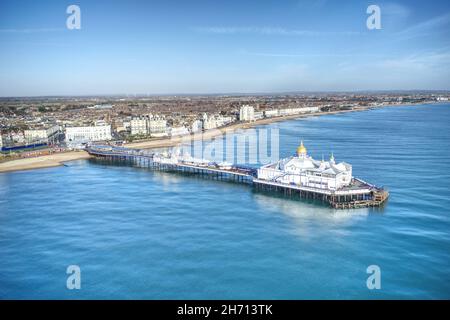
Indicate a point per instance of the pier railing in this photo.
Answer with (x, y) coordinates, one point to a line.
(169, 162)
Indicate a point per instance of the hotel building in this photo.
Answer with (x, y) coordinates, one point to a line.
(78, 135)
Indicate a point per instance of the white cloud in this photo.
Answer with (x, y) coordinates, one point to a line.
(305, 55)
(36, 30)
(429, 60)
(271, 31)
(427, 27)
(395, 9)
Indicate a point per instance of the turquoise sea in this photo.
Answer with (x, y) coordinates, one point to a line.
(138, 234)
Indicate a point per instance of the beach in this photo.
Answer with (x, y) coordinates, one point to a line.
(52, 160)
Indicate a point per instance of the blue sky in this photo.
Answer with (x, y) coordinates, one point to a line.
(167, 47)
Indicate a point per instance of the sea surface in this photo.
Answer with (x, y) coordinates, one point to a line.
(138, 234)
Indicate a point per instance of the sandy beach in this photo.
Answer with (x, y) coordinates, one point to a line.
(53, 160)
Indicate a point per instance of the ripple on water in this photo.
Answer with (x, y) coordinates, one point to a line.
(142, 234)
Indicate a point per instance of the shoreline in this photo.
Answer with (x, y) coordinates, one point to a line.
(171, 142)
(58, 159)
(47, 161)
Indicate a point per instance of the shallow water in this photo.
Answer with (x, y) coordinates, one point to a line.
(142, 234)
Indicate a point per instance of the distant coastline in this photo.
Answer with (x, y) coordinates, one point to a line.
(209, 134)
(171, 142)
(58, 159)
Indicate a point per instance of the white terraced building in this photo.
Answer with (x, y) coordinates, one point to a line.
(77, 135)
(157, 126)
(42, 135)
(300, 110)
(139, 125)
(303, 171)
(149, 125)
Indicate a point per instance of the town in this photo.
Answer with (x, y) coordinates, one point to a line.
(58, 124)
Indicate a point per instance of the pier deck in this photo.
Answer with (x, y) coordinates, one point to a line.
(153, 160)
(358, 194)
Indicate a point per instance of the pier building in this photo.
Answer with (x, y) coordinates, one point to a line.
(301, 169)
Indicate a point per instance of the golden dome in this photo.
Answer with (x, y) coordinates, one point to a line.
(301, 149)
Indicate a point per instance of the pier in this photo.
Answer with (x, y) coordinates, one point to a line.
(358, 194)
(164, 162)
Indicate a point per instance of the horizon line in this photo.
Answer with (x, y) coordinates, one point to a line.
(261, 93)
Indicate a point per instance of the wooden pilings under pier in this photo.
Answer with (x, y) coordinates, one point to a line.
(373, 198)
(216, 174)
(204, 171)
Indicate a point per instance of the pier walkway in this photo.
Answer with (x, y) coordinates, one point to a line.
(358, 194)
(170, 162)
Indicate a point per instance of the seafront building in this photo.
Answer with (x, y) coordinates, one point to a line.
(216, 121)
(197, 126)
(155, 126)
(76, 136)
(270, 113)
(289, 111)
(30, 138)
(178, 131)
(139, 125)
(11, 139)
(43, 134)
(224, 120)
(292, 111)
(257, 115)
(247, 113)
(209, 122)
